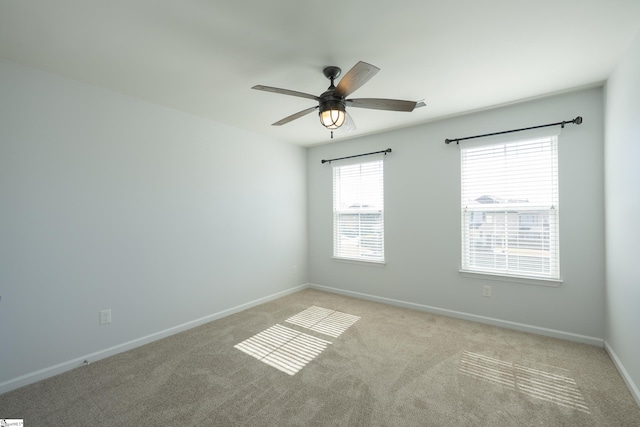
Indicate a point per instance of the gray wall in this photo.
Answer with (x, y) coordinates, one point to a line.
(110, 202)
(422, 221)
(622, 174)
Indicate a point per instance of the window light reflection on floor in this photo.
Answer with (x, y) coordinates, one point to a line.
(283, 348)
(536, 383)
(324, 320)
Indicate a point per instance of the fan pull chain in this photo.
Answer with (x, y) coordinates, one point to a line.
(331, 134)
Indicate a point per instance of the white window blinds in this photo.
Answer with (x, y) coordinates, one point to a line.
(510, 208)
(358, 211)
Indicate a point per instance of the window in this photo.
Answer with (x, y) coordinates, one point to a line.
(358, 211)
(510, 208)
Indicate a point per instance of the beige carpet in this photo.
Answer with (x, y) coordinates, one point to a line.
(314, 358)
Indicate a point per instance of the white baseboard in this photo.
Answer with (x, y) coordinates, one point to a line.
(466, 316)
(77, 362)
(51, 371)
(635, 392)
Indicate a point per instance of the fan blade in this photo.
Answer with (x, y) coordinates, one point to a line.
(355, 78)
(294, 116)
(285, 92)
(382, 104)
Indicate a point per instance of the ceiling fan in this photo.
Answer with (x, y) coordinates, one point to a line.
(332, 103)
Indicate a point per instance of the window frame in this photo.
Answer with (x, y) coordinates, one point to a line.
(348, 244)
(519, 213)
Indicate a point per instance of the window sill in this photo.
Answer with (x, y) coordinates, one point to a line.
(512, 278)
(359, 261)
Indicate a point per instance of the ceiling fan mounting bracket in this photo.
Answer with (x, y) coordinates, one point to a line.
(332, 72)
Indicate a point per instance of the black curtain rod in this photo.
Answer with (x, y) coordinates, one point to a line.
(576, 121)
(388, 150)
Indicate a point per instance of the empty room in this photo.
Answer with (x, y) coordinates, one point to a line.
(339, 213)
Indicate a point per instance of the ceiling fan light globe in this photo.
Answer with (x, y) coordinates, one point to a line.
(332, 119)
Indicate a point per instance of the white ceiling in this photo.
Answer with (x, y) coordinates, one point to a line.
(203, 57)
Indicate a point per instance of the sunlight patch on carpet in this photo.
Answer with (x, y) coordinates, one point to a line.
(537, 383)
(283, 348)
(488, 369)
(324, 320)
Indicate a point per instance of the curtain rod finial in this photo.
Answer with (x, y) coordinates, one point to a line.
(578, 120)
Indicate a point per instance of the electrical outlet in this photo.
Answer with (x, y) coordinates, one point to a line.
(486, 291)
(105, 316)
